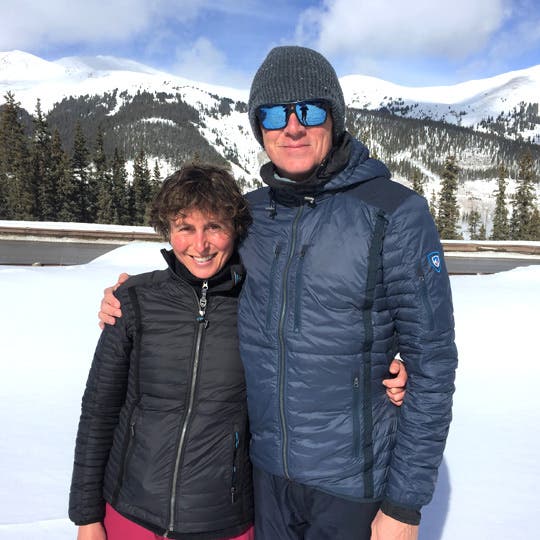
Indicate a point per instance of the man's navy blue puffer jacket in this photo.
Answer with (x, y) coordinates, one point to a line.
(340, 278)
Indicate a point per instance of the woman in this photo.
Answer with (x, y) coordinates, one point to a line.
(162, 446)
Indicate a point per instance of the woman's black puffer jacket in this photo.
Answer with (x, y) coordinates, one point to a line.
(163, 435)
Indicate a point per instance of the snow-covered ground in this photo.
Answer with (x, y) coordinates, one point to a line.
(488, 481)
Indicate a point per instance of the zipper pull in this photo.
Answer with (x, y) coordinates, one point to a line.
(271, 208)
(310, 201)
(202, 304)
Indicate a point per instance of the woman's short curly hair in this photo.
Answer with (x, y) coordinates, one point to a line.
(206, 188)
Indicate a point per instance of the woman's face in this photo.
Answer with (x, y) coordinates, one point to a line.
(202, 242)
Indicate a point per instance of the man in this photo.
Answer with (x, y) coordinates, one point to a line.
(344, 270)
(348, 268)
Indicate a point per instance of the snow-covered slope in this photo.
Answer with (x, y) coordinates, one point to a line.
(510, 88)
(467, 103)
(18, 66)
(30, 78)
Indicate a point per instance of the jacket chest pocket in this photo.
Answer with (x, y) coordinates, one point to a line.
(286, 283)
(299, 280)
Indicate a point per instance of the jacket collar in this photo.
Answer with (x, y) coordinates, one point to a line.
(346, 165)
(229, 277)
(335, 161)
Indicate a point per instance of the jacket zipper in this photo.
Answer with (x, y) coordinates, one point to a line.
(425, 298)
(130, 443)
(355, 415)
(236, 444)
(126, 452)
(203, 324)
(282, 316)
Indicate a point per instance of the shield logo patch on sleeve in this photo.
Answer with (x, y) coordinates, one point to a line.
(434, 259)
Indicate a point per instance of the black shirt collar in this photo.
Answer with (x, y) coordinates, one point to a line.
(231, 275)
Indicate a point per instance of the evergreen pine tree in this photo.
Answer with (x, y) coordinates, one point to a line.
(534, 229)
(474, 224)
(433, 205)
(500, 217)
(86, 196)
(242, 183)
(482, 233)
(130, 204)
(418, 182)
(43, 180)
(69, 208)
(448, 215)
(120, 191)
(141, 188)
(156, 181)
(155, 185)
(103, 182)
(58, 162)
(523, 202)
(17, 197)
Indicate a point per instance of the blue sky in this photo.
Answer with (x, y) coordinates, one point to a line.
(412, 42)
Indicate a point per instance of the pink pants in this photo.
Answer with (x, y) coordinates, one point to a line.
(120, 528)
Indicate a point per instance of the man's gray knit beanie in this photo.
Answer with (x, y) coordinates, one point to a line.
(294, 73)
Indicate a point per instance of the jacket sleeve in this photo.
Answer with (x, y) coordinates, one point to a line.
(102, 401)
(420, 301)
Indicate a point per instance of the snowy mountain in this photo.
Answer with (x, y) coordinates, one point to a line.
(31, 78)
(466, 104)
(482, 122)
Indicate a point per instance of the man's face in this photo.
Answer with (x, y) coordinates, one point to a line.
(296, 150)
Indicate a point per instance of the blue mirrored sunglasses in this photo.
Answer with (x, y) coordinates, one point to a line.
(309, 113)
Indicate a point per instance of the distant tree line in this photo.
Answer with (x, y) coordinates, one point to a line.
(71, 164)
(519, 222)
(402, 143)
(40, 181)
(522, 118)
(390, 136)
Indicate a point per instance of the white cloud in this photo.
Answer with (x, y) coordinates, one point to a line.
(202, 61)
(523, 36)
(380, 28)
(201, 58)
(26, 24)
(515, 46)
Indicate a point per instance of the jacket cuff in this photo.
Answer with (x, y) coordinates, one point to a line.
(82, 522)
(404, 514)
